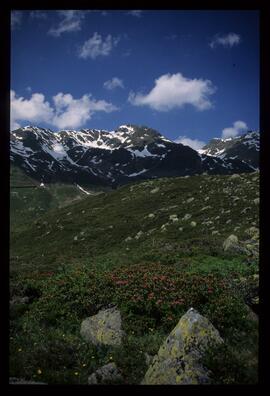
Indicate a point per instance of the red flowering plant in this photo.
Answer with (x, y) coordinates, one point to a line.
(160, 293)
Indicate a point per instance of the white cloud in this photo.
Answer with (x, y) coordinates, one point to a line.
(72, 113)
(228, 40)
(135, 13)
(16, 19)
(66, 112)
(193, 143)
(238, 127)
(115, 82)
(38, 14)
(35, 109)
(71, 22)
(174, 91)
(96, 46)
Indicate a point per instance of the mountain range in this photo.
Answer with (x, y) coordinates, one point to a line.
(131, 152)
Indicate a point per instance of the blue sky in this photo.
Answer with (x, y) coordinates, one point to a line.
(189, 74)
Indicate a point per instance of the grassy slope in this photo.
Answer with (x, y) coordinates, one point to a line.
(26, 204)
(107, 220)
(69, 261)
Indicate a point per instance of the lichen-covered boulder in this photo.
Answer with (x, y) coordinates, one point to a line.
(178, 359)
(108, 374)
(103, 328)
(253, 232)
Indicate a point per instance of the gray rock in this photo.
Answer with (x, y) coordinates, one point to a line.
(235, 176)
(257, 201)
(19, 300)
(103, 328)
(187, 217)
(107, 374)
(138, 235)
(231, 243)
(252, 232)
(21, 381)
(155, 190)
(178, 359)
(173, 218)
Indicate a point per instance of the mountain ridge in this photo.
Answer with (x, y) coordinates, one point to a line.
(100, 157)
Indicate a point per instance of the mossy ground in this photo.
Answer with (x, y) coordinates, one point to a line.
(72, 261)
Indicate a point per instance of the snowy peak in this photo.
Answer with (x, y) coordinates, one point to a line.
(92, 156)
(245, 147)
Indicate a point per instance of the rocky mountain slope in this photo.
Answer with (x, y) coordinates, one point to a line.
(97, 157)
(245, 147)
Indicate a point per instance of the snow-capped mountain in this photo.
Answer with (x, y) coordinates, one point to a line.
(245, 147)
(91, 156)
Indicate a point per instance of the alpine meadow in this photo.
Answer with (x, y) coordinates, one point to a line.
(134, 197)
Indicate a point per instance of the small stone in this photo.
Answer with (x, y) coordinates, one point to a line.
(106, 374)
(235, 176)
(155, 190)
(138, 235)
(206, 207)
(189, 200)
(187, 217)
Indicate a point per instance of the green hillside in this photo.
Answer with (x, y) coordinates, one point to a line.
(162, 238)
(99, 226)
(28, 199)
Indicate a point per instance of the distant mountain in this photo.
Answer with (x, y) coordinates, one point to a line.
(129, 153)
(245, 148)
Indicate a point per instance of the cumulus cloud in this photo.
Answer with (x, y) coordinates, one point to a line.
(16, 19)
(35, 109)
(135, 13)
(235, 130)
(174, 91)
(193, 143)
(97, 46)
(227, 40)
(115, 82)
(70, 22)
(72, 113)
(66, 111)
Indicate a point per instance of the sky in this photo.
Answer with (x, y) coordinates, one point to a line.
(191, 75)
